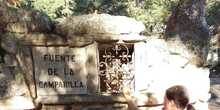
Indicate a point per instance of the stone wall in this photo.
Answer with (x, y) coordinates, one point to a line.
(25, 68)
(39, 55)
(28, 42)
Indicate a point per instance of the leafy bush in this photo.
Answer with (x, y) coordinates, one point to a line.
(212, 12)
(113, 7)
(153, 13)
(53, 8)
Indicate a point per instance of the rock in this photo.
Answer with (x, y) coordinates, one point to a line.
(9, 43)
(18, 27)
(11, 82)
(187, 25)
(215, 91)
(214, 101)
(214, 106)
(215, 72)
(10, 60)
(7, 14)
(98, 24)
(39, 23)
(214, 53)
(25, 67)
(167, 65)
(23, 21)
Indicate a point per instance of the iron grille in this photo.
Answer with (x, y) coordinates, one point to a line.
(116, 67)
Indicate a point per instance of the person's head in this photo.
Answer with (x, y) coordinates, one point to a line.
(177, 98)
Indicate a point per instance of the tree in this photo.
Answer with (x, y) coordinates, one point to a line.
(188, 23)
(53, 8)
(213, 15)
(113, 7)
(153, 13)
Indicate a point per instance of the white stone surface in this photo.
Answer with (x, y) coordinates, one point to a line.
(16, 103)
(99, 24)
(157, 69)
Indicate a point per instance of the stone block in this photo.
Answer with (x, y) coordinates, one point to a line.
(66, 70)
(18, 27)
(10, 60)
(98, 24)
(11, 82)
(9, 43)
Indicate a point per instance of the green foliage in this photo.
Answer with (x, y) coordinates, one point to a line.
(86, 6)
(212, 10)
(113, 7)
(26, 4)
(153, 13)
(53, 8)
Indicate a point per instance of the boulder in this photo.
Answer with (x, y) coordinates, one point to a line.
(215, 91)
(9, 43)
(11, 82)
(23, 21)
(18, 27)
(10, 60)
(8, 15)
(187, 25)
(39, 23)
(214, 53)
(98, 24)
(167, 65)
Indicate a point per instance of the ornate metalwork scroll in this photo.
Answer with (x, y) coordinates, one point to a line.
(116, 68)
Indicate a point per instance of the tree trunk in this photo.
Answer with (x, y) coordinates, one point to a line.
(187, 24)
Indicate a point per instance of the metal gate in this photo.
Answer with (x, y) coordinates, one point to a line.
(116, 67)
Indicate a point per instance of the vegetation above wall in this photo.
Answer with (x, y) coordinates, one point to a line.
(152, 13)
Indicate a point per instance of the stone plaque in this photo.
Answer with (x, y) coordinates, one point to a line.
(60, 70)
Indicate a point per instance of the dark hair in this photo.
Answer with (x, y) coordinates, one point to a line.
(180, 96)
(190, 107)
